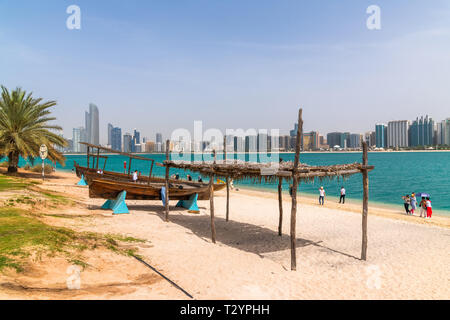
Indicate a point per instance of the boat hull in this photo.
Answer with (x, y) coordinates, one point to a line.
(109, 189)
(90, 174)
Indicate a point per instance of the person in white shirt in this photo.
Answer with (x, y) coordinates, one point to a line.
(321, 196)
(342, 198)
(135, 176)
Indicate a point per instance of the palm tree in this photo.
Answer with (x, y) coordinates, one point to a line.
(24, 127)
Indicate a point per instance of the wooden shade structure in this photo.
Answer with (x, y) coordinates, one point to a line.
(277, 172)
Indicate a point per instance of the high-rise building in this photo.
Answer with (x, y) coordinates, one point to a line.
(136, 140)
(443, 132)
(421, 132)
(354, 140)
(92, 124)
(310, 141)
(159, 138)
(381, 135)
(370, 138)
(397, 134)
(127, 142)
(110, 128)
(79, 135)
(116, 139)
(337, 139)
(293, 133)
(251, 143)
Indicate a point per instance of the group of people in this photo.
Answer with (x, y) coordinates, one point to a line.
(176, 176)
(322, 195)
(426, 210)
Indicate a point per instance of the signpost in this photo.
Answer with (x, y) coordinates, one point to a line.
(43, 153)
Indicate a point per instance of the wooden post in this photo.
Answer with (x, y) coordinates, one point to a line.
(166, 200)
(87, 154)
(365, 211)
(211, 203)
(280, 204)
(294, 192)
(129, 166)
(98, 158)
(150, 174)
(227, 180)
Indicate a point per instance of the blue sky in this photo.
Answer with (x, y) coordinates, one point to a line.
(160, 65)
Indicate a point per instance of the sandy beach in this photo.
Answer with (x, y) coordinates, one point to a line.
(408, 257)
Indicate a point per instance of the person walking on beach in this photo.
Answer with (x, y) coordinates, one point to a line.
(200, 179)
(342, 198)
(406, 203)
(429, 210)
(321, 196)
(135, 176)
(423, 207)
(413, 201)
(189, 177)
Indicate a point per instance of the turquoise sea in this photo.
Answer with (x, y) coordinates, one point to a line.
(395, 174)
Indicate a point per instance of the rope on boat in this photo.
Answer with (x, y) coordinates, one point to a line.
(170, 281)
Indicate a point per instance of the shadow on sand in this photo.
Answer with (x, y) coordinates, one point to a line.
(243, 236)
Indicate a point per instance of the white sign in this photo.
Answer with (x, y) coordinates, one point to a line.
(43, 152)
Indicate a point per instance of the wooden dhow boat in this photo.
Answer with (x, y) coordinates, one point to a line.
(110, 189)
(108, 184)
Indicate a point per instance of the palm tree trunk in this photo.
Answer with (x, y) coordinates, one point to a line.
(13, 162)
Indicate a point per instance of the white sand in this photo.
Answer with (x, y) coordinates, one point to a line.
(406, 260)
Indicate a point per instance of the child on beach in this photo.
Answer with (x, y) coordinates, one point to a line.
(321, 196)
(406, 203)
(429, 210)
(135, 176)
(413, 202)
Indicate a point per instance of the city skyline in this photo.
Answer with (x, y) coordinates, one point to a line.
(395, 134)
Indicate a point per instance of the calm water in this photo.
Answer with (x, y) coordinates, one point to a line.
(395, 174)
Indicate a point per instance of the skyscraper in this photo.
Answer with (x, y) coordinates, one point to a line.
(110, 128)
(422, 132)
(337, 139)
(397, 134)
(116, 139)
(354, 140)
(159, 143)
(92, 124)
(158, 138)
(127, 142)
(293, 133)
(310, 140)
(136, 140)
(381, 135)
(79, 135)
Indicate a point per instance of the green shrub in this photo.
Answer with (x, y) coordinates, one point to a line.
(38, 168)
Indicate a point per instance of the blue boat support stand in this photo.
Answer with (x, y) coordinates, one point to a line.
(190, 204)
(118, 205)
(82, 182)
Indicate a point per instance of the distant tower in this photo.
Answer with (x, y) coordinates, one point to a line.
(92, 124)
(116, 139)
(110, 128)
